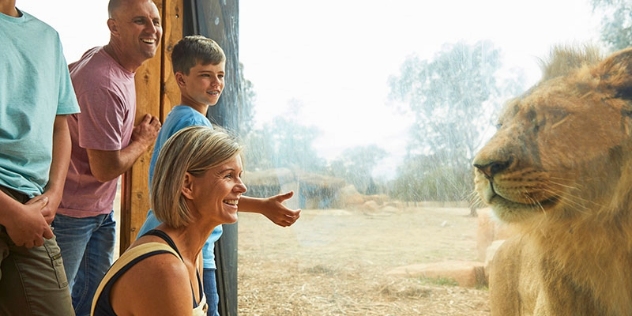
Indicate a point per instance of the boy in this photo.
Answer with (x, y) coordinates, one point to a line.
(199, 68)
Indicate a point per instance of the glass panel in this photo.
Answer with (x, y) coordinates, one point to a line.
(371, 112)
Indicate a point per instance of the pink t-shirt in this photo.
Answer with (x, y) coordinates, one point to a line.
(107, 98)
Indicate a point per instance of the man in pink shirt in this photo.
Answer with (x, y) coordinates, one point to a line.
(105, 144)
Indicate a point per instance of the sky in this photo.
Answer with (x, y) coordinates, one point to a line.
(335, 56)
(81, 24)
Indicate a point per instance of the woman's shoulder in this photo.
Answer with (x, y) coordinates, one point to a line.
(157, 278)
(154, 256)
(164, 261)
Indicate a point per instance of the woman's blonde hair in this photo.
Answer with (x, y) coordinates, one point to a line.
(193, 149)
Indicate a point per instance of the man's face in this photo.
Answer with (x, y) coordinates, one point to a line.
(139, 29)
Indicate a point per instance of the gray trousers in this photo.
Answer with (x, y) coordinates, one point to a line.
(32, 280)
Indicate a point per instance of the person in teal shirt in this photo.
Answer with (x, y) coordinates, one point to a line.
(36, 96)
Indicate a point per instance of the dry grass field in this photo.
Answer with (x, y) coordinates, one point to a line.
(334, 262)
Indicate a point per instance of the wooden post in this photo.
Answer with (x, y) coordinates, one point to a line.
(156, 93)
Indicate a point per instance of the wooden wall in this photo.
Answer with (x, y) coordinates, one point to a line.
(156, 93)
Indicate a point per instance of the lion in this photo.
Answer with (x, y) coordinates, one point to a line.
(559, 169)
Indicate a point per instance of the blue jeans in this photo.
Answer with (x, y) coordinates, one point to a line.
(210, 290)
(87, 249)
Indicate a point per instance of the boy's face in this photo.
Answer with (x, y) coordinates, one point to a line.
(203, 85)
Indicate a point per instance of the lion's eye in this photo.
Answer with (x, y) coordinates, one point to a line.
(556, 117)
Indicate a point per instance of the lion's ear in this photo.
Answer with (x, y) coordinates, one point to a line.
(615, 74)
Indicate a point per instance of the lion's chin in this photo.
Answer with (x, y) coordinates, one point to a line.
(512, 212)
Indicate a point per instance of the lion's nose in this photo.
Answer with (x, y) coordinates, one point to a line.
(490, 169)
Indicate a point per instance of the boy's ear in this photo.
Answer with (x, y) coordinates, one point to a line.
(187, 186)
(180, 79)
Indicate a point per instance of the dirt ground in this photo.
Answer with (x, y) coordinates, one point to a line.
(334, 262)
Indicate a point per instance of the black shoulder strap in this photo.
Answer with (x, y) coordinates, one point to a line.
(165, 237)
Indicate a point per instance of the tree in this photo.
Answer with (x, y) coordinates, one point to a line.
(616, 23)
(258, 150)
(284, 143)
(356, 165)
(424, 177)
(450, 98)
(293, 144)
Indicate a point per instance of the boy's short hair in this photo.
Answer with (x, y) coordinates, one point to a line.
(194, 49)
(194, 150)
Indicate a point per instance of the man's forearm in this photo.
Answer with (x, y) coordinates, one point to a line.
(108, 165)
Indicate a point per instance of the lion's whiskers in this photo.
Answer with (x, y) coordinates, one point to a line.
(569, 193)
(578, 204)
(476, 200)
(535, 202)
(575, 187)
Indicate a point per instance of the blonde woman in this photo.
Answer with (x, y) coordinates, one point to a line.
(196, 186)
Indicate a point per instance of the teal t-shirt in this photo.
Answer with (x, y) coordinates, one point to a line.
(179, 117)
(34, 88)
